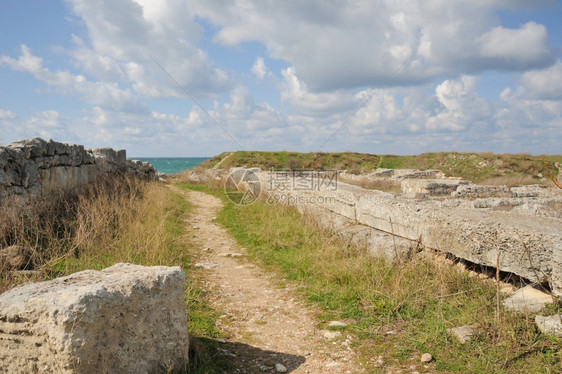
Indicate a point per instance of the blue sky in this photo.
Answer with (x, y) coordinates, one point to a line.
(432, 75)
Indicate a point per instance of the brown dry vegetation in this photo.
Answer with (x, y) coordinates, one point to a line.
(117, 220)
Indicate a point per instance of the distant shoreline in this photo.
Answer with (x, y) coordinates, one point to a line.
(173, 165)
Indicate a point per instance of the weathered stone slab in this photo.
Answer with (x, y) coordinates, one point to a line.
(527, 300)
(124, 319)
(528, 246)
(378, 243)
(477, 191)
(431, 187)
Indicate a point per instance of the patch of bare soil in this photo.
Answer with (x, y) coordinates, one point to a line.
(269, 328)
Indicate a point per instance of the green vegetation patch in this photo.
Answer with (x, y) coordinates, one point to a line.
(294, 160)
(395, 311)
(487, 167)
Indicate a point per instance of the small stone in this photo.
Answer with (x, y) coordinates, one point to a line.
(226, 352)
(332, 334)
(527, 299)
(507, 289)
(463, 333)
(391, 332)
(280, 368)
(426, 357)
(206, 265)
(337, 324)
(550, 325)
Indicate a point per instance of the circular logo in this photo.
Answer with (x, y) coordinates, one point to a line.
(242, 186)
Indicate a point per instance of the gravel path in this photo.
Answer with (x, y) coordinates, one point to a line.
(269, 329)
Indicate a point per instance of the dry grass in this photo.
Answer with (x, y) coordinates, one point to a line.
(118, 220)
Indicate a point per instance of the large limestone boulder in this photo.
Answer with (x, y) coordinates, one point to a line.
(124, 319)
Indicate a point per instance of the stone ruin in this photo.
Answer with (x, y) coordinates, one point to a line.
(34, 167)
(479, 224)
(124, 319)
(535, 200)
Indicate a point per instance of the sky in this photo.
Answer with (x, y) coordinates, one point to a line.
(181, 78)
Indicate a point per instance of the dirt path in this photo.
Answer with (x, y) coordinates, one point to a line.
(221, 161)
(266, 324)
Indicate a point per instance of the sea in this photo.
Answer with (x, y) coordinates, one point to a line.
(173, 165)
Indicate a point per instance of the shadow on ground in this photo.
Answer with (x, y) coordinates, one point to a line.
(216, 356)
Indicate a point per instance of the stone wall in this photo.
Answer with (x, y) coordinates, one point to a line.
(475, 223)
(33, 167)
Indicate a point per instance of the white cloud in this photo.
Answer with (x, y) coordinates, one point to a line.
(6, 114)
(296, 93)
(461, 106)
(106, 94)
(334, 45)
(544, 84)
(516, 48)
(48, 124)
(245, 119)
(259, 69)
(126, 35)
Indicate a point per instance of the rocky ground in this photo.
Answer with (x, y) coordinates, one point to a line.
(269, 328)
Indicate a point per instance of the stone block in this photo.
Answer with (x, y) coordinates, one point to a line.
(4, 157)
(528, 246)
(431, 187)
(527, 299)
(551, 325)
(124, 319)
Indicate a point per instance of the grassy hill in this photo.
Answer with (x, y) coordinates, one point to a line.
(477, 167)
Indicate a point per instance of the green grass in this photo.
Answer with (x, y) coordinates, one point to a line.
(476, 167)
(419, 299)
(294, 160)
